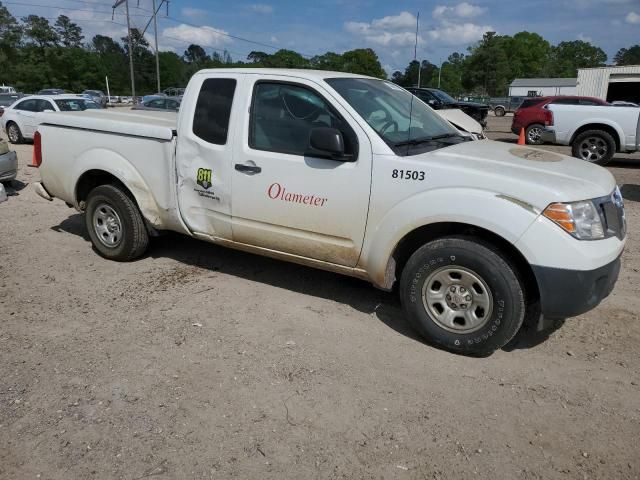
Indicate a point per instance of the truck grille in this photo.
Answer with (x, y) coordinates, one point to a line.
(611, 210)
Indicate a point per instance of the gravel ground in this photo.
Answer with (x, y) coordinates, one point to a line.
(201, 362)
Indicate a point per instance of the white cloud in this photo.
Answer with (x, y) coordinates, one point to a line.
(261, 8)
(193, 12)
(395, 22)
(274, 39)
(392, 31)
(205, 36)
(452, 34)
(462, 10)
(633, 18)
(584, 38)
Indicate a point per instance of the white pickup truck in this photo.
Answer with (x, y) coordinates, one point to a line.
(350, 174)
(595, 132)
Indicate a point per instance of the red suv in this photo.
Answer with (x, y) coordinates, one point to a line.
(533, 116)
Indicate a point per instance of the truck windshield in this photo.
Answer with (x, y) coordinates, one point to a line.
(443, 97)
(402, 121)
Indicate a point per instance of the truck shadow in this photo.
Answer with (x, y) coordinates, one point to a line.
(630, 192)
(356, 293)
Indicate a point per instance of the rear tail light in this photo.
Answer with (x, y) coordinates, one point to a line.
(37, 150)
(548, 117)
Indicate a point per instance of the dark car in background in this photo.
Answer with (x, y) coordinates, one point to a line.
(532, 116)
(96, 96)
(437, 99)
(52, 91)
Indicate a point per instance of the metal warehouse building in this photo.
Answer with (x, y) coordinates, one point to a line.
(535, 87)
(610, 83)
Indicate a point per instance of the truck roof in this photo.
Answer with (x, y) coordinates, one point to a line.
(294, 72)
(159, 125)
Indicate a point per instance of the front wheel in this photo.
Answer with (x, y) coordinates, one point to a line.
(463, 295)
(115, 225)
(499, 112)
(14, 133)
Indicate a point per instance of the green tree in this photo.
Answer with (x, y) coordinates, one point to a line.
(195, 54)
(286, 59)
(69, 33)
(39, 31)
(487, 69)
(363, 61)
(628, 56)
(567, 57)
(10, 36)
(528, 55)
(257, 57)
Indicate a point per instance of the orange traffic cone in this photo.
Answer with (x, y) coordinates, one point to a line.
(33, 159)
(521, 139)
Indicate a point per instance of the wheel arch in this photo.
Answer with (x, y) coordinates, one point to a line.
(426, 233)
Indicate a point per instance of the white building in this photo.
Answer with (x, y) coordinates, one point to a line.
(610, 83)
(532, 87)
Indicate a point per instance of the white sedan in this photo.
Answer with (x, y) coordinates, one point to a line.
(19, 121)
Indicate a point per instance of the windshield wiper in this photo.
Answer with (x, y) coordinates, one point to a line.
(418, 141)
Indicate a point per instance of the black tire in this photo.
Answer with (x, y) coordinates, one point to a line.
(532, 134)
(499, 111)
(506, 295)
(14, 133)
(130, 239)
(580, 147)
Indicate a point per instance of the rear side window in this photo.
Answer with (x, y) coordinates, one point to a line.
(27, 105)
(213, 109)
(531, 102)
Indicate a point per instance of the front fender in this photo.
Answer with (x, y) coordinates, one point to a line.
(502, 215)
(116, 165)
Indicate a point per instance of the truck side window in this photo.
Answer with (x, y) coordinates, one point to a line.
(213, 109)
(27, 106)
(282, 116)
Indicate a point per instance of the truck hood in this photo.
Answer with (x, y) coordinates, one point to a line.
(533, 176)
(461, 120)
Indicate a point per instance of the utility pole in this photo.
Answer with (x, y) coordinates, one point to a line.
(415, 48)
(440, 72)
(155, 32)
(130, 45)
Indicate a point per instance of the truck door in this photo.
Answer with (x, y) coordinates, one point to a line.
(285, 199)
(204, 154)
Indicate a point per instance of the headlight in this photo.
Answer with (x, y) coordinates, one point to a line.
(580, 219)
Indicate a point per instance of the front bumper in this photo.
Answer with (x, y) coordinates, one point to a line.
(8, 166)
(548, 135)
(568, 293)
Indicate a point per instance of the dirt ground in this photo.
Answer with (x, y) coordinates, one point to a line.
(202, 362)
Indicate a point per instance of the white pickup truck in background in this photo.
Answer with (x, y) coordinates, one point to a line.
(354, 175)
(595, 133)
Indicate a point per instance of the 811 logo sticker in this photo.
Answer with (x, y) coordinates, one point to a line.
(204, 179)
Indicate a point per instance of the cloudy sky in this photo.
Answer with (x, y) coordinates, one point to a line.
(338, 25)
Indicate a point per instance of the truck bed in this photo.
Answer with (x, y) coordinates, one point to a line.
(137, 148)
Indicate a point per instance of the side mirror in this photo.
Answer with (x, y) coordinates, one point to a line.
(432, 103)
(326, 142)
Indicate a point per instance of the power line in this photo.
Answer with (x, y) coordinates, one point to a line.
(69, 8)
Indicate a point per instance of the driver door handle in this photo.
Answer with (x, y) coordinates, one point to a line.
(248, 168)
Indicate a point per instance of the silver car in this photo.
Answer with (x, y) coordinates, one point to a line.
(159, 104)
(8, 162)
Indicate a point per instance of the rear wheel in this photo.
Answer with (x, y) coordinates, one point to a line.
(534, 134)
(463, 295)
(14, 133)
(499, 111)
(595, 146)
(115, 225)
